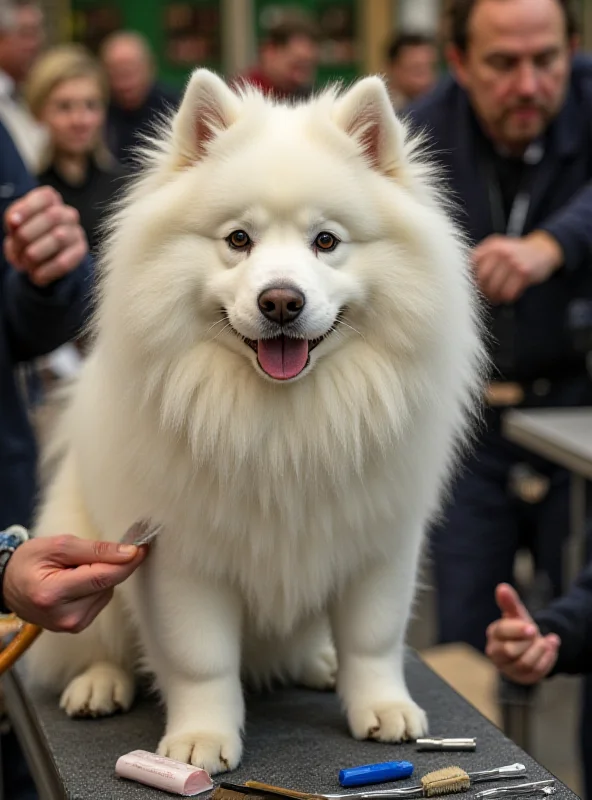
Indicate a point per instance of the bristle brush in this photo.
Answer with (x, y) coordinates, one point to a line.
(448, 780)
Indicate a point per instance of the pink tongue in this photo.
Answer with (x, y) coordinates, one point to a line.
(282, 358)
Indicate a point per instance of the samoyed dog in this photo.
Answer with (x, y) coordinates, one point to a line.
(287, 358)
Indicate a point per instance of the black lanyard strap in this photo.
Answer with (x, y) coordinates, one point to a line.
(515, 224)
(504, 317)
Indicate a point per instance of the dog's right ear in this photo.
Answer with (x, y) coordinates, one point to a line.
(208, 108)
(366, 114)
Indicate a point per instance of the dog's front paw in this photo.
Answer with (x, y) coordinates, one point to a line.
(320, 670)
(391, 721)
(102, 690)
(212, 751)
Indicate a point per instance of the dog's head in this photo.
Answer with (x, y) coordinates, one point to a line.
(282, 234)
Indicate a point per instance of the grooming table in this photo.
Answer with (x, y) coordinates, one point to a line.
(295, 738)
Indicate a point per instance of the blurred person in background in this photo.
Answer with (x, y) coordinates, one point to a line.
(21, 40)
(22, 36)
(288, 59)
(412, 67)
(512, 129)
(137, 99)
(67, 92)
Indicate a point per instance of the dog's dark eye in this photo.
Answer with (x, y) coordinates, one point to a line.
(239, 240)
(326, 242)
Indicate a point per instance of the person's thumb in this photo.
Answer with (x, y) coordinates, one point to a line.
(72, 551)
(509, 603)
(98, 577)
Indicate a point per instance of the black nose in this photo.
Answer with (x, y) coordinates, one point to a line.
(281, 305)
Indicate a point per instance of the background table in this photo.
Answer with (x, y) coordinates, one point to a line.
(563, 436)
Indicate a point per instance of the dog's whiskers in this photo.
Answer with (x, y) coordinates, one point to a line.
(220, 332)
(351, 327)
(218, 322)
(337, 332)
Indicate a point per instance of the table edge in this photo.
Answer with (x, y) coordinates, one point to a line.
(32, 740)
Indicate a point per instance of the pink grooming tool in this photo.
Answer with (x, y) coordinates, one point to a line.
(163, 773)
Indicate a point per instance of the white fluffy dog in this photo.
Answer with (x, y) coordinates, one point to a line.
(286, 359)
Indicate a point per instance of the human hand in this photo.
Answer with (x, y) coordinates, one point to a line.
(515, 644)
(61, 583)
(43, 236)
(506, 266)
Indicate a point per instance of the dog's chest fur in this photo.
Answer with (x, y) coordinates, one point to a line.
(286, 543)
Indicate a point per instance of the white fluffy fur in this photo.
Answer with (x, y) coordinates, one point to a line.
(286, 505)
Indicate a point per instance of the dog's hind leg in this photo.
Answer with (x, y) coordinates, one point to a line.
(93, 669)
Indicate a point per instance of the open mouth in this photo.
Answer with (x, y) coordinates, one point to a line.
(283, 357)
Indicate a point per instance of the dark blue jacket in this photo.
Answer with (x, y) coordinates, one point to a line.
(571, 618)
(561, 203)
(33, 322)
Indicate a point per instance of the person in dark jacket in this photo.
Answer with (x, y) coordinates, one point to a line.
(512, 129)
(137, 100)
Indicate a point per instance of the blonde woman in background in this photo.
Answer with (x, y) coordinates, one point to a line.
(67, 92)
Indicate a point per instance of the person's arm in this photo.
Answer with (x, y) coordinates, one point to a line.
(44, 298)
(46, 274)
(571, 228)
(62, 582)
(570, 617)
(38, 320)
(10, 539)
(558, 639)
(516, 645)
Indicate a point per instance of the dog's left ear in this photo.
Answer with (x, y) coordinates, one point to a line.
(208, 108)
(365, 113)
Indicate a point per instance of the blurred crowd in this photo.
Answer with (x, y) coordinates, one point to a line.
(77, 118)
(507, 102)
(66, 101)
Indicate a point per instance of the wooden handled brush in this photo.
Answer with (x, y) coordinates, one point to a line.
(26, 635)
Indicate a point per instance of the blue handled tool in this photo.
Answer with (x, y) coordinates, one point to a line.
(375, 773)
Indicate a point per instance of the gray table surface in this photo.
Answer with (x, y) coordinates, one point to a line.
(563, 435)
(294, 738)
